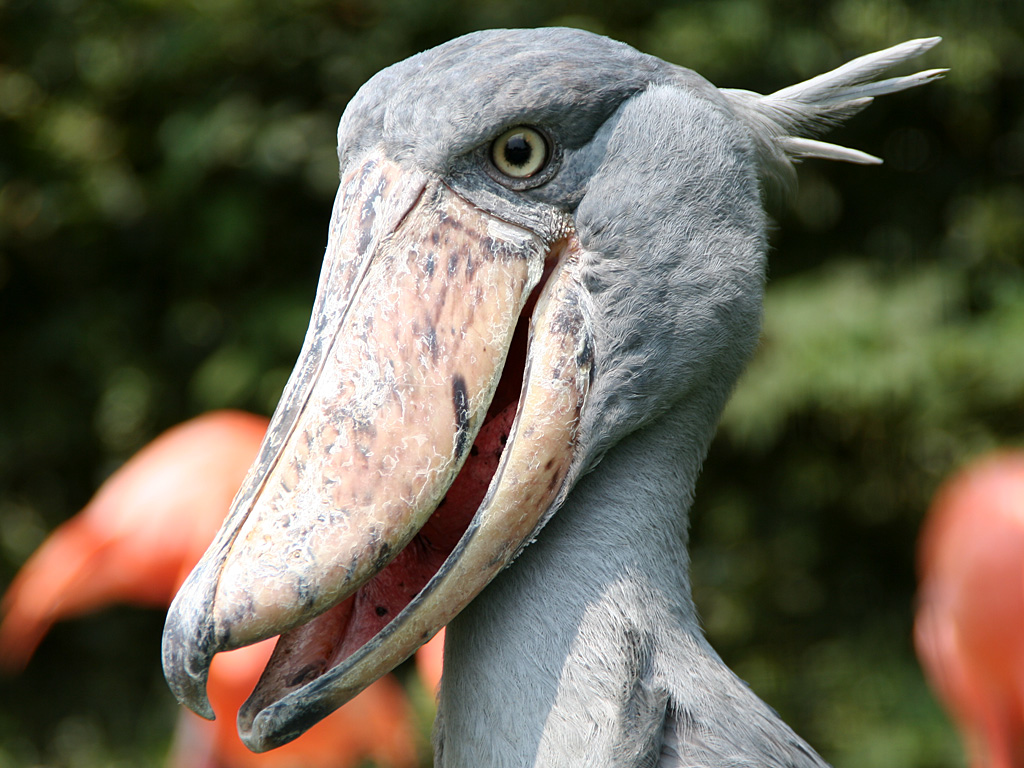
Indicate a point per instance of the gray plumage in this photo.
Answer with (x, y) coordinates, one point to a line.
(588, 649)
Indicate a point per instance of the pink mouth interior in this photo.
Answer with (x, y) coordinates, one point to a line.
(353, 622)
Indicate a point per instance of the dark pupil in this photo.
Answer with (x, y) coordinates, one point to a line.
(518, 150)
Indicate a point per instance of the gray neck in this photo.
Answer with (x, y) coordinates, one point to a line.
(587, 650)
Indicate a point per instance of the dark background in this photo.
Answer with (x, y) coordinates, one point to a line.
(166, 175)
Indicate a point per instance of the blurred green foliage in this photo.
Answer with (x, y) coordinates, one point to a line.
(167, 169)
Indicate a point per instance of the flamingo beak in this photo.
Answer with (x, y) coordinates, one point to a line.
(402, 470)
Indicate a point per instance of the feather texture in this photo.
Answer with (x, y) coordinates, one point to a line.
(782, 122)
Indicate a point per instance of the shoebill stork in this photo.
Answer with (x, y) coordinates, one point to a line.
(543, 276)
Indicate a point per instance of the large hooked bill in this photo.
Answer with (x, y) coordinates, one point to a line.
(428, 428)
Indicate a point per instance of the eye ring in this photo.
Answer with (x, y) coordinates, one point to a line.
(521, 153)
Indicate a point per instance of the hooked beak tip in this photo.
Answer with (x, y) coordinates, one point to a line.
(273, 726)
(187, 662)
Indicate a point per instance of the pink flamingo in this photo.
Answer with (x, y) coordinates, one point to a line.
(136, 540)
(969, 628)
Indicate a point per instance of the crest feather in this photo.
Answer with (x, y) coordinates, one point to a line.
(783, 122)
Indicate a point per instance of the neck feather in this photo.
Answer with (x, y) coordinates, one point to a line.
(587, 650)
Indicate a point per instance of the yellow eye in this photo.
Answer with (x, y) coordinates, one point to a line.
(520, 152)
